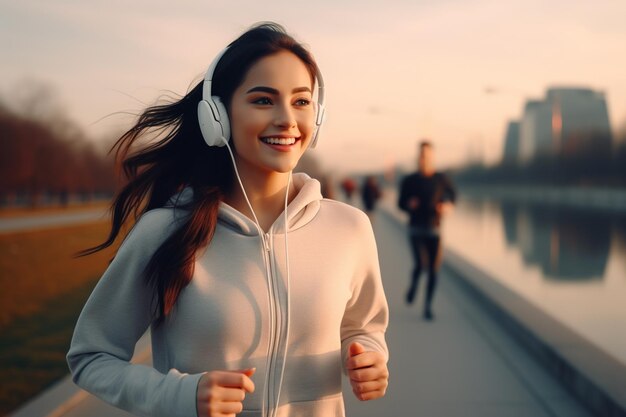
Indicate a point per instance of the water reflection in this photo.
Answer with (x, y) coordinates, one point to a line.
(565, 243)
(557, 258)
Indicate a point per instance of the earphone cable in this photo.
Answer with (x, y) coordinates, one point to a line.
(266, 246)
(288, 321)
(263, 240)
(245, 195)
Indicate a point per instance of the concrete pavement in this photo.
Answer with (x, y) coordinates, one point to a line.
(461, 364)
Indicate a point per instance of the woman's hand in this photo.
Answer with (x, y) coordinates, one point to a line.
(220, 393)
(368, 373)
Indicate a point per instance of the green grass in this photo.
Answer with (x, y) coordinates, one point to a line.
(37, 266)
(42, 291)
(33, 348)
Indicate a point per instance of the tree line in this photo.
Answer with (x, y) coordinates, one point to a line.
(45, 158)
(49, 160)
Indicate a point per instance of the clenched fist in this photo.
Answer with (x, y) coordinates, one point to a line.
(221, 393)
(368, 373)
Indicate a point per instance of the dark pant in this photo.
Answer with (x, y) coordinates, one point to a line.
(425, 246)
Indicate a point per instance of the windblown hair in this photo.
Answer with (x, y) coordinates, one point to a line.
(180, 159)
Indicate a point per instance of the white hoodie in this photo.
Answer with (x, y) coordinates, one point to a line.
(233, 315)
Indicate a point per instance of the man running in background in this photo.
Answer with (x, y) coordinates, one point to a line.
(426, 195)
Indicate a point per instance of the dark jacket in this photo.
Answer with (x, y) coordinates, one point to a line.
(430, 191)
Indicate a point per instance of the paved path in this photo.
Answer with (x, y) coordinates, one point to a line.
(460, 365)
(38, 222)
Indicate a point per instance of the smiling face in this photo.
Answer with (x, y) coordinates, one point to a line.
(272, 114)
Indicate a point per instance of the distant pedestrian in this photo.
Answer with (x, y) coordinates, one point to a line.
(348, 186)
(370, 193)
(426, 196)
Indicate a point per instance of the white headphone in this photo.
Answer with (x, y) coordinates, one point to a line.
(213, 118)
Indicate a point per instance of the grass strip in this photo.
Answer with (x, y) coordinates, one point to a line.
(37, 266)
(33, 348)
(43, 288)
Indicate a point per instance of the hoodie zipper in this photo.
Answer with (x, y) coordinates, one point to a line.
(275, 331)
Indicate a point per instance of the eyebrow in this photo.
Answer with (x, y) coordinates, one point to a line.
(274, 91)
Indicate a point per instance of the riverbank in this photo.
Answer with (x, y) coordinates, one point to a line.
(592, 375)
(581, 197)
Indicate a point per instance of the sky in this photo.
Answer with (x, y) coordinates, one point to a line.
(398, 71)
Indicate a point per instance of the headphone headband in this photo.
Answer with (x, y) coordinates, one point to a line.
(208, 76)
(213, 118)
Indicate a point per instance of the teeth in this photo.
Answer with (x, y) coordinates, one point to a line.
(279, 141)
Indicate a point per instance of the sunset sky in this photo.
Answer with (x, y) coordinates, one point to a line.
(396, 71)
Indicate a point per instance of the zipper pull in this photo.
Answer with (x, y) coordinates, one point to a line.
(266, 242)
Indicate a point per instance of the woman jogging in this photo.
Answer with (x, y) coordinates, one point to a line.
(256, 290)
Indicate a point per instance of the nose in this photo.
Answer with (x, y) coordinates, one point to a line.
(284, 116)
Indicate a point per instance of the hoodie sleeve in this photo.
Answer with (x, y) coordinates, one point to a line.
(367, 314)
(115, 316)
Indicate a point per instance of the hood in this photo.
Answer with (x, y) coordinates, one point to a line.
(300, 211)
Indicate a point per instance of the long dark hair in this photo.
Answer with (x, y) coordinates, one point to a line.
(180, 158)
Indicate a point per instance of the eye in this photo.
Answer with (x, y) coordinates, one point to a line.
(303, 102)
(264, 101)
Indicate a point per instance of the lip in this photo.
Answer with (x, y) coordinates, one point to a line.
(280, 135)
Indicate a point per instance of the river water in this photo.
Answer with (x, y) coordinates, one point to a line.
(569, 262)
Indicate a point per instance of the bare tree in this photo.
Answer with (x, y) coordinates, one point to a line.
(43, 153)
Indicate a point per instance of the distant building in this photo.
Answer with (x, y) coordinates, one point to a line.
(580, 115)
(535, 130)
(511, 142)
(568, 121)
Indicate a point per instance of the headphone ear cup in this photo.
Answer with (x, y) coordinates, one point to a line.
(223, 118)
(319, 118)
(213, 121)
